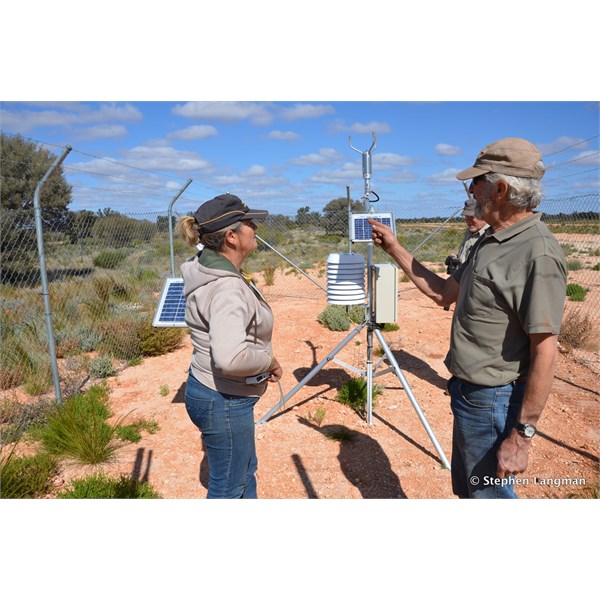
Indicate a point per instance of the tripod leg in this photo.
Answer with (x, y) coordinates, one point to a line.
(310, 375)
(412, 398)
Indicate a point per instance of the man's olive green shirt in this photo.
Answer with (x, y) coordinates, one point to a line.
(512, 285)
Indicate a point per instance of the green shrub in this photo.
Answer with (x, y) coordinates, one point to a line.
(133, 432)
(576, 293)
(121, 337)
(334, 317)
(354, 394)
(38, 377)
(26, 476)
(356, 313)
(156, 341)
(101, 367)
(77, 429)
(109, 259)
(269, 274)
(14, 363)
(596, 267)
(101, 486)
(574, 265)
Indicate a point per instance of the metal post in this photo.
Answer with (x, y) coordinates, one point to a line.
(169, 212)
(290, 262)
(43, 274)
(349, 219)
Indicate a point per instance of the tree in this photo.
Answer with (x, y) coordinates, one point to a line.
(335, 215)
(305, 217)
(23, 166)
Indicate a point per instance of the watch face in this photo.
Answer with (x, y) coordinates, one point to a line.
(527, 430)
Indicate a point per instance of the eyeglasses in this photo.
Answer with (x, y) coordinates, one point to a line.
(478, 179)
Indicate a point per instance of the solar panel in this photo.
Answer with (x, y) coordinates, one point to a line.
(360, 228)
(171, 307)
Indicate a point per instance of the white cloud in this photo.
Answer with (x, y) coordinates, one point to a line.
(386, 160)
(587, 158)
(306, 111)
(256, 113)
(348, 172)
(255, 171)
(283, 135)
(102, 131)
(326, 156)
(560, 144)
(27, 120)
(447, 150)
(446, 176)
(339, 126)
(195, 132)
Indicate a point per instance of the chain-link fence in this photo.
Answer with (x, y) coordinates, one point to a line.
(106, 271)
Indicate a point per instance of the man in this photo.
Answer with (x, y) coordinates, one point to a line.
(475, 229)
(509, 302)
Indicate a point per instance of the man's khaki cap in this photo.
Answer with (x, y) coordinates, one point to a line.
(509, 156)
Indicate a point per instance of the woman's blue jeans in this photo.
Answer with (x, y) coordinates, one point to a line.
(483, 418)
(227, 426)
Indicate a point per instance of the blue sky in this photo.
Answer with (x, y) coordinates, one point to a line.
(281, 156)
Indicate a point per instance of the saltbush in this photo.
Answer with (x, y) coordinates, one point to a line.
(101, 367)
(156, 341)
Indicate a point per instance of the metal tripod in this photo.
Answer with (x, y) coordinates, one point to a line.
(372, 328)
(369, 372)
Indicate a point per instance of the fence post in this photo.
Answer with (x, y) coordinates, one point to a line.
(43, 275)
(169, 212)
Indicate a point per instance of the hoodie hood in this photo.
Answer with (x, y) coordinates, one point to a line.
(205, 267)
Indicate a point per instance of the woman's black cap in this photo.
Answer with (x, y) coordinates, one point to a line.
(222, 211)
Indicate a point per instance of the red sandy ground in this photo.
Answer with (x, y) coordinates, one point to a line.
(393, 457)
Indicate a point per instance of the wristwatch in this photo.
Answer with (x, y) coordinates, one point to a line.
(526, 430)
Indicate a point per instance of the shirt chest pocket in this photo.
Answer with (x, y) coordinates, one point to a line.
(481, 298)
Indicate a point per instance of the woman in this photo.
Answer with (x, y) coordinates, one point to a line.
(231, 326)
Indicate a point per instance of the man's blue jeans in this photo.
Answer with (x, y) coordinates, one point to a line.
(483, 418)
(227, 426)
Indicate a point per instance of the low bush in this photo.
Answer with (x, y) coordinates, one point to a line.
(101, 367)
(156, 341)
(26, 476)
(354, 394)
(133, 431)
(103, 487)
(78, 429)
(579, 331)
(109, 259)
(576, 293)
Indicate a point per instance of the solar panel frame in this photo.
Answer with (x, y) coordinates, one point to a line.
(171, 306)
(360, 229)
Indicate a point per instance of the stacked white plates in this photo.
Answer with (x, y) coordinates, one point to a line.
(345, 279)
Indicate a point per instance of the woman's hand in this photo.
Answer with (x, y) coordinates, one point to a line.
(276, 372)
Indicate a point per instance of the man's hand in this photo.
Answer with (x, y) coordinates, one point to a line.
(383, 236)
(513, 455)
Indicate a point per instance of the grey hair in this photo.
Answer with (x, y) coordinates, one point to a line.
(525, 193)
